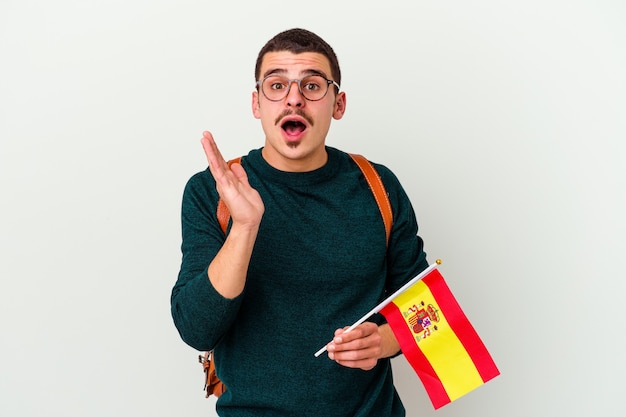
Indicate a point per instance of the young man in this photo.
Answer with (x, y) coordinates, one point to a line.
(305, 254)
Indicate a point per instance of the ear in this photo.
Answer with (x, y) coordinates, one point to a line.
(340, 106)
(255, 105)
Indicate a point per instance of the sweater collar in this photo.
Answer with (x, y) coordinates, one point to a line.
(319, 175)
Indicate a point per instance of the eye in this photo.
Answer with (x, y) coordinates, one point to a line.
(275, 83)
(312, 83)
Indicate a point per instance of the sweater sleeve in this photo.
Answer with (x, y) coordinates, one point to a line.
(200, 313)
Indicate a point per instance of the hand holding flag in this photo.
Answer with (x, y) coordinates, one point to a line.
(436, 337)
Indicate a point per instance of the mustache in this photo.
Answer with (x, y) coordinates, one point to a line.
(297, 112)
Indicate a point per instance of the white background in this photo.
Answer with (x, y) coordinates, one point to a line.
(505, 121)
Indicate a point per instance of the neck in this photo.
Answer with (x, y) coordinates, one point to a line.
(295, 161)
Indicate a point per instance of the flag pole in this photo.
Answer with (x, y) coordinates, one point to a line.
(387, 300)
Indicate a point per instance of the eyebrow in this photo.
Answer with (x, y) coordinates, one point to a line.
(282, 71)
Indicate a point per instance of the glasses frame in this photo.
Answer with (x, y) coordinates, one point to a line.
(259, 85)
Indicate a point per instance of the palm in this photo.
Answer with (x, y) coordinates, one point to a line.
(244, 202)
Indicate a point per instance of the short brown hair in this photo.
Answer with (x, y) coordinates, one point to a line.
(298, 41)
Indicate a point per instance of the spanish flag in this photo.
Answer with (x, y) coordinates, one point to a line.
(437, 338)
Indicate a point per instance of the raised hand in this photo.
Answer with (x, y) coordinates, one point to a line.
(244, 202)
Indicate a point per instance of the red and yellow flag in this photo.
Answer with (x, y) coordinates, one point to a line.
(438, 340)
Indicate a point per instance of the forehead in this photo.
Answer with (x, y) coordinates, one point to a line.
(288, 62)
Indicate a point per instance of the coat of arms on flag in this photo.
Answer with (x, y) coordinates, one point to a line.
(422, 319)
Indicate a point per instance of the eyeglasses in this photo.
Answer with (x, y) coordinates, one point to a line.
(312, 88)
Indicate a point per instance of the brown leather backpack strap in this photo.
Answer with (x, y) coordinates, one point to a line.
(378, 190)
(223, 215)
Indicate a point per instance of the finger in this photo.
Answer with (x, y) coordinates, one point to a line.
(365, 358)
(243, 186)
(341, 331)
(212, 152)
(240, 173)
(364, 364)
(363, 330)
(355, 344)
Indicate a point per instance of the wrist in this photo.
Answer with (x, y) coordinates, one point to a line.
(389, 344)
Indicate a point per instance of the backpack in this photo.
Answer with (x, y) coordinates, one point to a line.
(212, 384)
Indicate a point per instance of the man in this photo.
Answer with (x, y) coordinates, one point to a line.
(304, 256)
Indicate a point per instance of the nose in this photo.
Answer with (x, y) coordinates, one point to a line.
(294, 97)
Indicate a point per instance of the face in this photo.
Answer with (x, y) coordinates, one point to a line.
(296, 128)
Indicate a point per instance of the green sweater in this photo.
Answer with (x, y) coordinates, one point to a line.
(319, 263)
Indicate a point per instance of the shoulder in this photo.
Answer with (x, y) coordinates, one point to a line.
(200, 191)
(394, 189)
(385, 173)
(200, 181)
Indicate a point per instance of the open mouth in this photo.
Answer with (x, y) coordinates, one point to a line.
(293, 127)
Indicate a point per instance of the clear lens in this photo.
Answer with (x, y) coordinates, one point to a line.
(313, 87)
